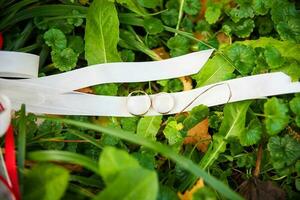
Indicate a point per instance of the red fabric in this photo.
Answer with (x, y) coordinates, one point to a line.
(1, 40)
(10, 161)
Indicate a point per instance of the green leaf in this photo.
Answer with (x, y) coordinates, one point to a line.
(102, 33)
(179, 45)
(260, 7)
(149, 4)
(113, 161)
(46, 182)
(236, 14)
(108, 89)
(134, 183)
(170, 17)
(213, 13)
(277, 118)
(288, 49)
(149, 126)
(172, 133)
(129, 123)
(243, 28)
(132, 5)
(76, 43)
(153, 25)
(243, 57)
(64, 156)
(55, 38)
(291, 68)
(232, 125)
(127, 55)
(289, 30)
(64, 60)
(215, 70)
(196, 115)
(284, 151)
(252, 134)
(295, 105)
(192, 7)
(181, 161)
(273, 57)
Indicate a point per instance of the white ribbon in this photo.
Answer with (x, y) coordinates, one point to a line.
(54, 94)
(5, 115)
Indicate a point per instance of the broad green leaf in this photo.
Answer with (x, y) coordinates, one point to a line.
(64, 156)
(46, 182)
(134, 183)
(284, 151)
(64, 60)
(132, 5)
(232, 125)
(243, 57)
(260, 7)
(179, 45)
(252, 134)
(149, 4)
(291, 68)
(215, 70)
(295, 105)
(273, 57)
(108, 89)
(172, 132)
(236, 14)
(153, 25)
(55, 38)
(149, 126)
(213, 13)
(113, 161)
(287, 49)
(102, 33)
(181, 161)
(192, 7)
(277, 118)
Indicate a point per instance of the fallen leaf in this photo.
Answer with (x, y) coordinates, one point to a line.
(187, 83)
(161, 52)
(199, 135)
(188, 194)
(87, 90)
(223, 38)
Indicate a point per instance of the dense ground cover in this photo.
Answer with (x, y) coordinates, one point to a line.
(252, 148)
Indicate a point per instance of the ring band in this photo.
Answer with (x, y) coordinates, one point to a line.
(137, 107)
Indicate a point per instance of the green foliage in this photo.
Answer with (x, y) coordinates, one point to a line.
(153, 25)
(76, 43)
(215, 70)
(149, 4)
(149, 126)
(252, 134)
(64, 60)
(178, 45)
(127, 55)
(243, 57)
(117, 167)
(55, 38)
(46, 182)
(113, 161)
(213, 13)
(192, 7)
(233, 126)
(273, 57)
(277, 118)
(170, 17)
(101, 41)
(284, 151)
(108, 89)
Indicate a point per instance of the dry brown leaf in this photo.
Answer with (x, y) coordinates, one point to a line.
(161, 52)
(87, 90)
(188, 194)
(223, 38)
(187, 83)
(199, 135)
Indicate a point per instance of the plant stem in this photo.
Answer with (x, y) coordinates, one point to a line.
(258, 161)
(180, 15)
